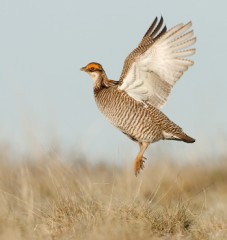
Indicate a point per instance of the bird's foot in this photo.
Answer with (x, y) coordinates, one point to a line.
(139, 164)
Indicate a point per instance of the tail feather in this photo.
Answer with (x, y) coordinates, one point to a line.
(185, 138)
(178, 137)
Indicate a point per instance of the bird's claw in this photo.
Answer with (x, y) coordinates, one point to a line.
(139, 165)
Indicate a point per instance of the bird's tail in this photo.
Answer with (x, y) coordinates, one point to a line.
(178, 137)
(185, 138)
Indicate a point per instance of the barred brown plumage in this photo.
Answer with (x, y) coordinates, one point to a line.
(150, 71)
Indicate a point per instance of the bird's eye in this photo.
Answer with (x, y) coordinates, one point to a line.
(92, 69)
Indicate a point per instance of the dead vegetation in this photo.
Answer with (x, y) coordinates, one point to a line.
(50, 198)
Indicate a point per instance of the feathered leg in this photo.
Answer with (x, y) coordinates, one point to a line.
(140, 159)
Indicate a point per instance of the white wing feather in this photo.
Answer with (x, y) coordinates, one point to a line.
(154, 73)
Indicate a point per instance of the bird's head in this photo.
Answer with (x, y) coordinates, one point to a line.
(95, 70)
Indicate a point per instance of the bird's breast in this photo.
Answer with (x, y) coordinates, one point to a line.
(130, 116)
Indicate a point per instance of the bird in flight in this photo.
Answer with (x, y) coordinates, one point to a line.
(133, 103)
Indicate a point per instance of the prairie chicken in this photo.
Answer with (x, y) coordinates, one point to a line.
(150, 71)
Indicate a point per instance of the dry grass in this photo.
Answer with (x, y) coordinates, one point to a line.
(50, 198)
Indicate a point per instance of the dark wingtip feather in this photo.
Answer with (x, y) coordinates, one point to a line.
(153, 31)
(157, 28)
(150, 29)
(161, 33)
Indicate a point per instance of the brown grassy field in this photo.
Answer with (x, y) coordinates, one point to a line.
(50, 197)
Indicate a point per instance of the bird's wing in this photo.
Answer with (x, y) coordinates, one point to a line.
(151, 70)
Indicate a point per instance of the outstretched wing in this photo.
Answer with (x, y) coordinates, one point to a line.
(151, 70)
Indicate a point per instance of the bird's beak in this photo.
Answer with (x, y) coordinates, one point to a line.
(83, 69)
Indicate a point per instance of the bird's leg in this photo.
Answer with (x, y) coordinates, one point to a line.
(140, 159)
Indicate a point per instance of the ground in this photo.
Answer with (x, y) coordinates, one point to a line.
(47, 196)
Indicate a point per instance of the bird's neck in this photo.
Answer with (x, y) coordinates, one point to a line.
(101, 82)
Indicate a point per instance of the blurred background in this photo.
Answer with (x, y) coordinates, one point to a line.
(45, 101)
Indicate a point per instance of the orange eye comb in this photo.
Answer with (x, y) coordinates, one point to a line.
(94, 66)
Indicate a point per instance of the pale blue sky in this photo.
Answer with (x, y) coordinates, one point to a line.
(44, 96)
